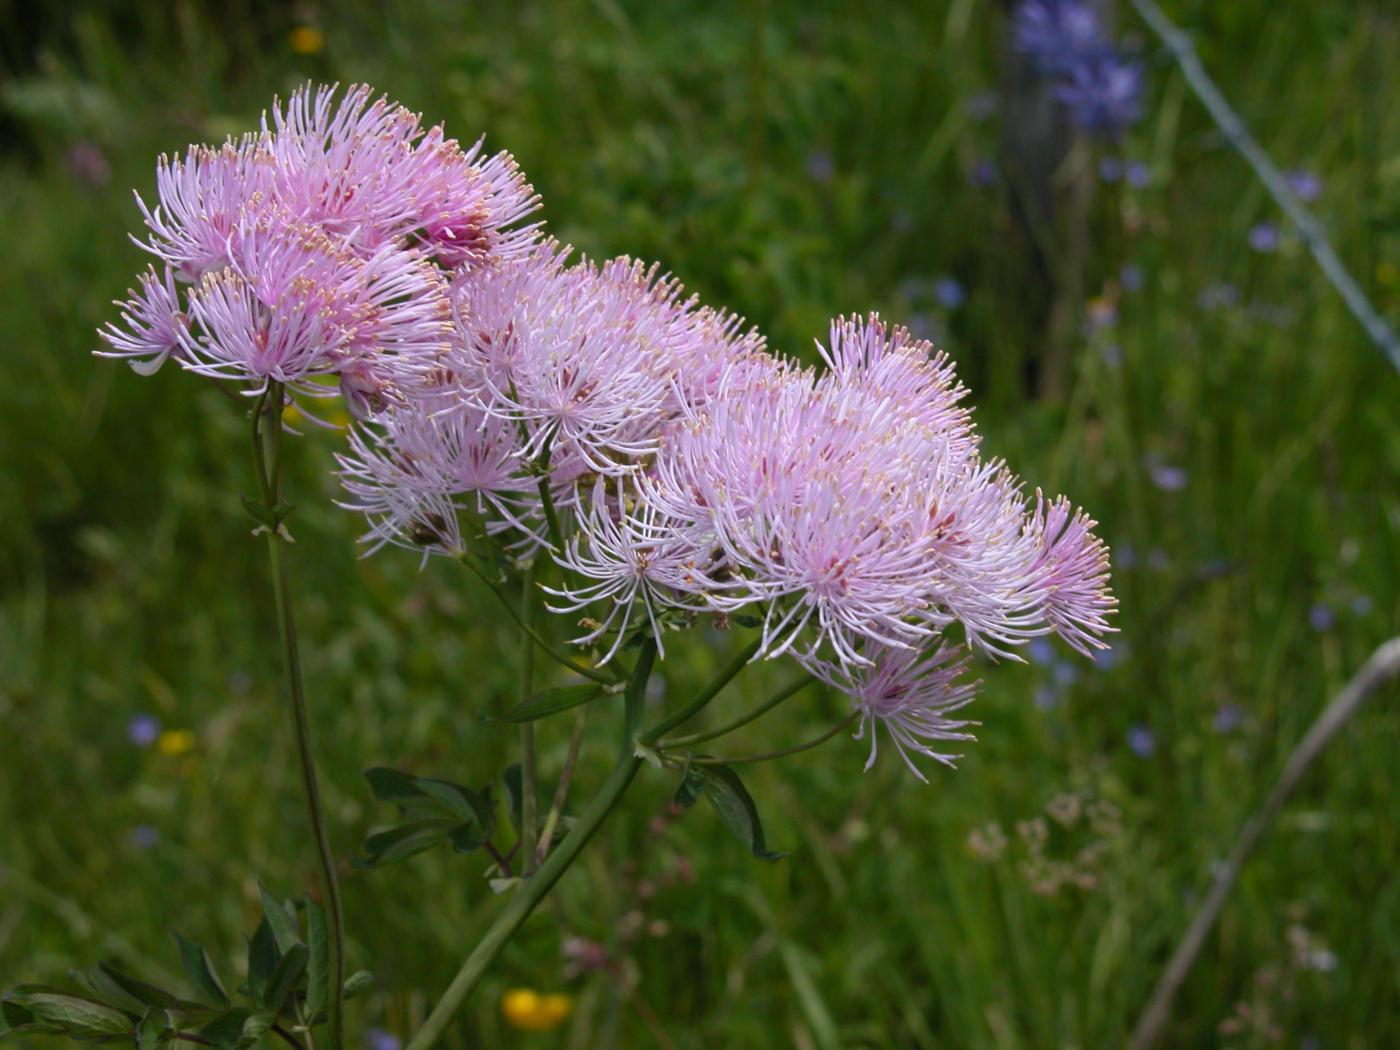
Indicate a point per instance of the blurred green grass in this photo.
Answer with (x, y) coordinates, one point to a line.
(792, 161)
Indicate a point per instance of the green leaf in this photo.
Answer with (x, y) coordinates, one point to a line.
(18, 1019)
(261, 513)
(200, 971)
(468, 837)
(462, 803)
(318, 964)
(154, 1030)
(70, 1014)
(357, 982)
(226, 1029)
(105, 990)
(391, 785)
(282, 919)
(552, 701)
(147, 993)
(746, 620)
(254, 1028)
(724, 790)
(402, 842)
(284, 979)
(262, 957)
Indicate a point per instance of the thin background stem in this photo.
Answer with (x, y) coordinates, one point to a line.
(529, 797)
(762, 709)
(849, 720)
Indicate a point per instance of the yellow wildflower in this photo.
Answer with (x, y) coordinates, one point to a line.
(175, 742)
(530, 1011)
(307, 40)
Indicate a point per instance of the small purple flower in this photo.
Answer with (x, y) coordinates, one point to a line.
(1227, 718)
(1141, 741)
(1321, 617)
(1103, 93)
(1056, 34)
(143, 729)
(379, 1039)
(1168, 478)
(143, 836)
(1361, 605)
(1137, 174)
(820, 166)
(1110, 169)
(1131, 277)
(1264, 237)
(1306, 185)
(984, 173)
(949, 292)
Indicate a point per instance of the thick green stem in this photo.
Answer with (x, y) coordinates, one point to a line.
(268, 445)
(536, 887)
(743, 720)
(710, 691)
(529, 796)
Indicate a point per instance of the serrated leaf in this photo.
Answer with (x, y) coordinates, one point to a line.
(357, 982)
(147, 993)
(318, 963)
(285, 978)
(262, 957)
(105, 990)
(200, 971)
(280, 917)
(551, 701)
(387, 847)
(724, 790)
(71, 1014)
(226, 1029)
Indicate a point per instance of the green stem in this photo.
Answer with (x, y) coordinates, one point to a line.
(849, 720)
(559, 657)
(534, 889)
(529, 799)
(561, 791)
(269, 411)
(710, 691)
(743, 720)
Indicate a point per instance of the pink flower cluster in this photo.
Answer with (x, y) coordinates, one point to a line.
(670, 464)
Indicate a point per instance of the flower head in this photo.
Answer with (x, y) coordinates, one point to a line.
(1056, 34)
(1102, 93)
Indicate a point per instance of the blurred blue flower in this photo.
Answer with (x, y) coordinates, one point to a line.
(1130, 277)
(1107, 659)
(1110, 169)
(984, 173)
(1158, 560)
(1138, 174)
(1047, 696)
(1217, 295)
(379, 1039)
(1041, 650)
(1125, 556)
(1227, 718)
(983, 104)
(1306, 186)
(1264, 237)
(948, 292)
(902, 221)
(1064, 672)
(922, 326)
(1322, 617)
(1102, 94)
(1361, 605)
(1112, 354)
(1168, 478)
(143, 836)
(1141, 741)
(820, 166)
(143, 730)
(1056, 34)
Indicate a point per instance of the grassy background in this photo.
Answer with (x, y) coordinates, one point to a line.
(792, 161)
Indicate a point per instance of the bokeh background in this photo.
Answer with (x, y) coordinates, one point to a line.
(1147, 349)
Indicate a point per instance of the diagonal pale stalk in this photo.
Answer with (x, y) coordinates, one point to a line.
(537, 886)
(267, 449)
(762, 709)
